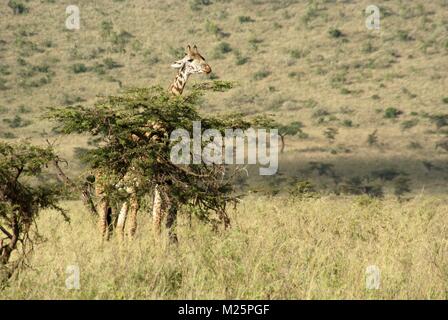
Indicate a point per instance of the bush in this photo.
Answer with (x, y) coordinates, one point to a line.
(404, 36)
(223, 48)
(17, 7)
(245, 19)
(302, 190)
(347, 123)
(79, 68)
(21, 201)
(392, 113)
(259, 75)
(360, 186)
(408, 124)
(335, 33)
(17, 122)
(197, 5)
(240, 60)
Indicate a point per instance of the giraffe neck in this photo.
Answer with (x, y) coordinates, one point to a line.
(178, 85)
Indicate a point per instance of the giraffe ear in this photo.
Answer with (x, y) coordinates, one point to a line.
(188, 49)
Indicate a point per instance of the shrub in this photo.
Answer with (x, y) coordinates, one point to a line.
(223, 47)
(302, 190)
(111, 64)
(3, 85)
(402, 186)
(17, 122)
(335, 33)
(360, 186)
(408, 124)
(21, 201)
(259, 75)
(196, 5)
(79, 68)
(296, 53)
(245, 19)
(17, 7)
(404, 36)
(392, 113)
(440, 120)
(347, 123)
(240, 60)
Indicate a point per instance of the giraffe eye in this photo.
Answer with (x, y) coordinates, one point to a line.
(190, 60)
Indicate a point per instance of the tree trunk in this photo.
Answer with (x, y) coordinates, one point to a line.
(282, 138)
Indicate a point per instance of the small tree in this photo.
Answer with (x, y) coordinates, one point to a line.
(23, 194)
(134, 129)
(284, 130)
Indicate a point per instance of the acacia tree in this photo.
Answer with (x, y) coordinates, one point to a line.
(134, 129)
(24, 192)
(290, 129)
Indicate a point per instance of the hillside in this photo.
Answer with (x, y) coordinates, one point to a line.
(308, 61)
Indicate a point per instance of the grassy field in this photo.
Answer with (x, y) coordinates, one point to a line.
(276, 249)
(374, 109)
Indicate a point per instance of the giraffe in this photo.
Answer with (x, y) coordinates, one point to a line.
(163, 205)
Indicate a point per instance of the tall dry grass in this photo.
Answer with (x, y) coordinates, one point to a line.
(277, 248)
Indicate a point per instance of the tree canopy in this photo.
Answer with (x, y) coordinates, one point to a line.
(134, 133)
(24, 191)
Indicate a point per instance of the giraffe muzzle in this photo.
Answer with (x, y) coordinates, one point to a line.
(206, 69)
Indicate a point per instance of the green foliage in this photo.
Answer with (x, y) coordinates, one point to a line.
(24, 192)
(221, 49)
(302, 190)
(240, 59)
(361, 186)
(17, 122)
(296, 53)
(134, 129)
(347, 123)
(79, 68)
(17, 7)
(284, 130)
(403, 35)
(388, 174)
(216, 85)
(440, 120)
(372, 138)
(335, 33)
(197, 5)
(402, 186)
(392, 113)
(408, 124)
(259, 75)
(245, 19)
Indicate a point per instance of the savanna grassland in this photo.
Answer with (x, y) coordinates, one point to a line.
(363, 183)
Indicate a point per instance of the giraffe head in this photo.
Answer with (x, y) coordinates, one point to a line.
(193, 62)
